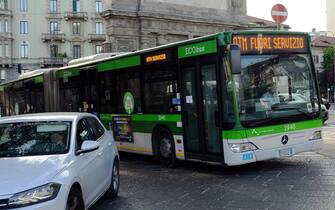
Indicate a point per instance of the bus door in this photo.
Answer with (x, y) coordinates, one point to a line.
(88, 90)
(200, 111)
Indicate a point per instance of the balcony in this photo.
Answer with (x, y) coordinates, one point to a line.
(53, 37)
(76, 16)
(52, 62)
(6, 62)
(54, 15)
(6, 36)
(5, 12)
(96, 37)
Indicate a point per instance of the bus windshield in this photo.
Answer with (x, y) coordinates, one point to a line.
(276, 89)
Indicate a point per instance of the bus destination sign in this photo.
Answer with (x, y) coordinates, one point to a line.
(266, 43)
(156, 58)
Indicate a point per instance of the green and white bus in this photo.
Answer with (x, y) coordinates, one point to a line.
(226, 98)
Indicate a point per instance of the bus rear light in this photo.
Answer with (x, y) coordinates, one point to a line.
(242, 147)
(178, 141)
(316, 136)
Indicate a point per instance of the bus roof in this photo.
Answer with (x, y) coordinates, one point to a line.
(28, 75)
(226, 37)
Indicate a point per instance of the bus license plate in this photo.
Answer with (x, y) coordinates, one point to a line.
(285, 152)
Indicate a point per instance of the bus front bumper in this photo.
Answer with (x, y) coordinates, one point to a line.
(232, 158)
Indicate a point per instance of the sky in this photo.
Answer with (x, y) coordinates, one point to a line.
(303, 15)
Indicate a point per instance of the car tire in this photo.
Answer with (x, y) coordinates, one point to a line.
(166, 148)
(75, 200)
(113, 190)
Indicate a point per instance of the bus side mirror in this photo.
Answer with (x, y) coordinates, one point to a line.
(235, 58)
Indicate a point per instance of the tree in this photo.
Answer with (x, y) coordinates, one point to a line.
(328, 58)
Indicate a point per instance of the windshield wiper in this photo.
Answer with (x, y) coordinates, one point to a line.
(307, 114)
(260, 122)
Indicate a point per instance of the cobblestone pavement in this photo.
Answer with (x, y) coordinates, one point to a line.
(305, 181)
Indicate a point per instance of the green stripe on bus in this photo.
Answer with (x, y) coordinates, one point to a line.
(119, 63)
(157, 118)
(67, 73)
(146, 117)
(145, 123)
(270, 130)
(38, 79)
(147, 127)
(201, 48)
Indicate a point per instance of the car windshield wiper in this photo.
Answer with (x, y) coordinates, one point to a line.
(8, 154)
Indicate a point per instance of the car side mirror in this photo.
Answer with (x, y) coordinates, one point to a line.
(235, 58)
(88, 146)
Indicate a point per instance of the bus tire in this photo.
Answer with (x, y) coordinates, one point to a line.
(167, 153)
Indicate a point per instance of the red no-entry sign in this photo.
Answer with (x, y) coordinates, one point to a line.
(279, 13)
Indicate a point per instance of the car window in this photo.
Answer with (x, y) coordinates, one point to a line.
(96, 127)
(83, 133)
(34, 138)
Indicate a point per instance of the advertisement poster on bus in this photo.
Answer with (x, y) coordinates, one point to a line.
(122, 129)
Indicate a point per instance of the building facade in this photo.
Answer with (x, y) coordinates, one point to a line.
(48, 33)
(326, 76)
(330, 8)
(140, 24)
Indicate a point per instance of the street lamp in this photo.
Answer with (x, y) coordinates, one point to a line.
(328, 94)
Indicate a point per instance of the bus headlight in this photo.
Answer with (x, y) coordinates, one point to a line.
(242, 147)
(316, 136)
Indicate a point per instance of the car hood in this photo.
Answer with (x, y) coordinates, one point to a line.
(23, 173)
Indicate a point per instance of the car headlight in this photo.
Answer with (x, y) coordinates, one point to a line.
(242, 147)
(36, 195)
(316, 135)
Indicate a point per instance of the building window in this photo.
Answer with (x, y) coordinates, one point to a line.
(98, 6)
(0, 26)
(76, 28)
(98, 49)
(98, 28)
(5, 29)
(316, 59)
(4, 4)
(76, 5)
(53, 5)
(23, 27)
(3, 74)
(6, 50)
(23, 5)
(53, 27)
(24, 50)
(76, 51)
(2, 48)
(53, 51)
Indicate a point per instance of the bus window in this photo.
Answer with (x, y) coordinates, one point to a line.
(34, 97)
(69, 94)
(128, 82)
(107, 93)
(160, 88)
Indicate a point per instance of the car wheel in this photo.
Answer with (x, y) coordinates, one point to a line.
(75, 200)
(166, 149)
(113, 190)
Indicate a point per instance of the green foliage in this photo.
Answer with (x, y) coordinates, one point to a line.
(62, 55)
(328, 58)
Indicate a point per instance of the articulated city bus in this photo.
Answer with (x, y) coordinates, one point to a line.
(226, 98)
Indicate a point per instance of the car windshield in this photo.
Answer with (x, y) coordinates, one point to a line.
(34, 138)
(276, 89)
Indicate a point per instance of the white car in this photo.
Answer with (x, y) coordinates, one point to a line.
(56, 161)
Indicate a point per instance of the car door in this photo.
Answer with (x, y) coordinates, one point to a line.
(105, 151)
(88, 164)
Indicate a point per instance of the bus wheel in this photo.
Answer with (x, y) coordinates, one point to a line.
(167, 149)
